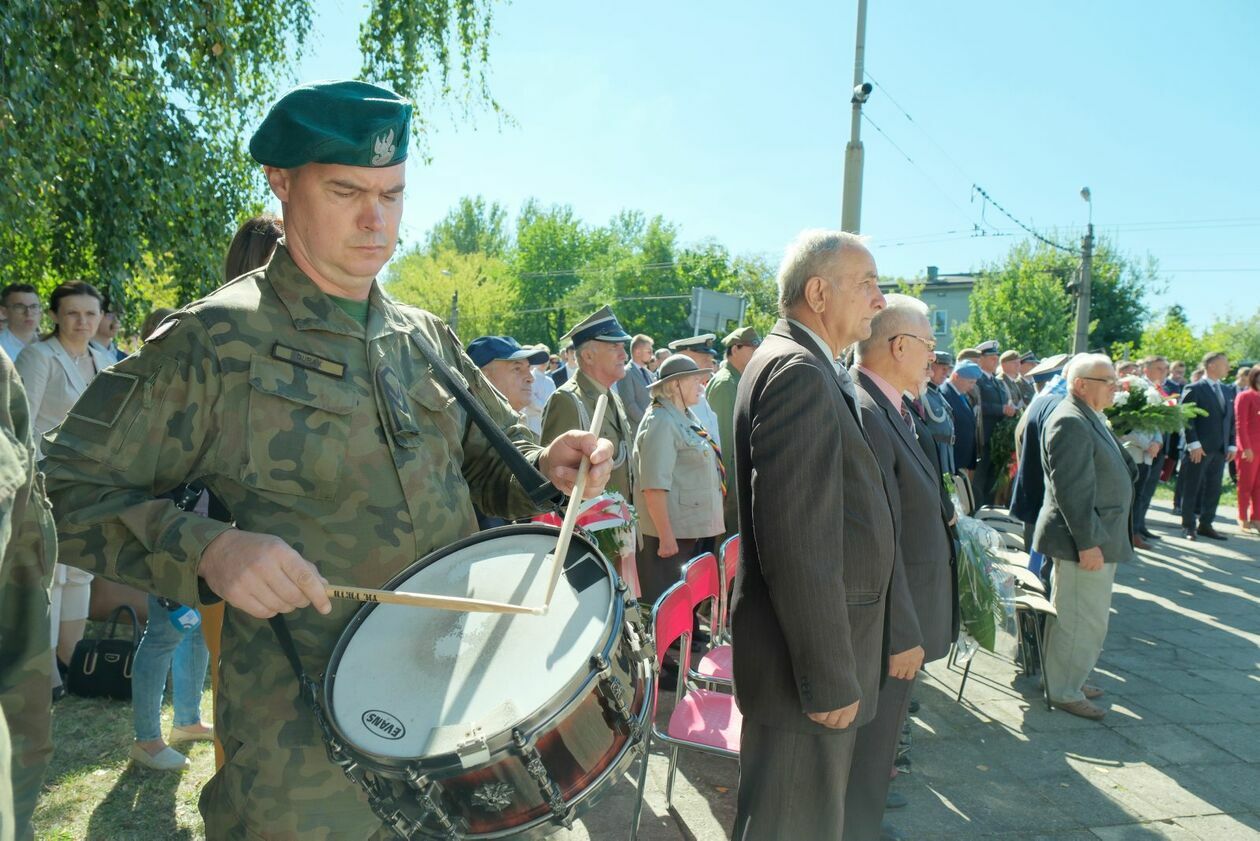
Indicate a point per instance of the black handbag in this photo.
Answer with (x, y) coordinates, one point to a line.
(101, 666)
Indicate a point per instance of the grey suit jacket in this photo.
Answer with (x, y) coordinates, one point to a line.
(1089, 487)
(817, 541)
(634, 395)
(922, 589)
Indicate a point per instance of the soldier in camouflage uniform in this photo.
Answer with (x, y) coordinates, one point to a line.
(299, 397)
(600, 344)
(29, 546)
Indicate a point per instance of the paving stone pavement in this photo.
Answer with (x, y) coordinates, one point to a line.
(1177, 757)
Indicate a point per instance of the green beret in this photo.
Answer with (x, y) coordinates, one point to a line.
(351, 123)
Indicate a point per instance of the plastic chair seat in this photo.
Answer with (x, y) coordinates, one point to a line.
(708, 718)
(716, 663)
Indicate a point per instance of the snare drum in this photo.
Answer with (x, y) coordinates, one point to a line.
(491, 725)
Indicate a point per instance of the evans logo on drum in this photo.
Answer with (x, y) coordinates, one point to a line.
(383, 724)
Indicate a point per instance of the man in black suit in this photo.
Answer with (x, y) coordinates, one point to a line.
(960, 394)
(1209, 444)
(809, 611)
(894, 360)
(995, 406)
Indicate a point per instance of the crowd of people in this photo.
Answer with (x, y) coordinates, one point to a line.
(251, 451)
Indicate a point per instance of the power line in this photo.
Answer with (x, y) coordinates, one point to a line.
(1027, 229)
(929, 178)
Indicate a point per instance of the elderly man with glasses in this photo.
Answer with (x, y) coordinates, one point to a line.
(1084, 526)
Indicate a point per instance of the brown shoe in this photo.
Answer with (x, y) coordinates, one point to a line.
(1082, 708)
(1091, 692)
(1139, 543)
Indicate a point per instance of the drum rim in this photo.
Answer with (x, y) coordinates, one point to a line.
(572, 691)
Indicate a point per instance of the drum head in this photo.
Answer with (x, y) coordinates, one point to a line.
(407, 682)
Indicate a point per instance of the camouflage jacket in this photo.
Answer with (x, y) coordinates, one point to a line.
(572, 405)
(340, 443)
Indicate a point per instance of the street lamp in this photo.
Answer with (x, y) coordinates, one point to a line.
(1081, 341)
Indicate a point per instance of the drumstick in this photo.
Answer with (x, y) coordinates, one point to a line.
(465, 605)
(575, 502)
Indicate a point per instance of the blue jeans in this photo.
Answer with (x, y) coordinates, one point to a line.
(165, 649)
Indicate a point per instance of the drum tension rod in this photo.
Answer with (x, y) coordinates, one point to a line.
(611, 688)
(547, 787)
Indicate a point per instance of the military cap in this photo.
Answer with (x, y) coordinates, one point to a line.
(968, 353)
(696, 344)
(969, 371)
(742, 336)
(340, 122)
(1049, 366)
(988, 348)
(599, 326)
(675, 367)
(1009, 355)
(1029, 357)
(942, 357)
(486, 349)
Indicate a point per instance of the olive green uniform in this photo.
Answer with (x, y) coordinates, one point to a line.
(721, 392)
(29, 547)
(337, 440)
(562, 413)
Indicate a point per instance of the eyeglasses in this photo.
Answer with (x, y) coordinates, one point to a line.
(930, 344)
(23, 309)
(1107, 380)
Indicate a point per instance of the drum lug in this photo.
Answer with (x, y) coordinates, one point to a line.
(429, 795)
(611, 688)
(473, 750)
(546, 785)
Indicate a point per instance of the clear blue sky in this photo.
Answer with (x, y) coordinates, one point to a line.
(731, 118)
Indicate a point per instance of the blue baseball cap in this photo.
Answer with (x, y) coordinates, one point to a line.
(485, 349)
(969, 370)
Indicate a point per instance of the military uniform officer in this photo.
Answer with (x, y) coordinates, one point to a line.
(995, 404)
(1011, 380)
(299, 396)
(1027, 388)
(28, 551)
(720, 394)
(701, 351)
(599, 343)
(935, 412)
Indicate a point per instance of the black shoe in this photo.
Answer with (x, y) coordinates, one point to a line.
(58, 694)
(667, 680)
(888, 833)
(1149, 536)
(914, 706)
(1176, 509)
(896, 800)
(1188, 534)
(1211, 533)
(903, 765)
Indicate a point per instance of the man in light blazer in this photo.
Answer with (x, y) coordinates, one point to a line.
(894, 360)
(1085, 527)
(1209, 444)
(633, 387)
(809, 611)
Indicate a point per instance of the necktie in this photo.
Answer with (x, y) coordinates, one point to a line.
(918, 408)
(905, 415)
(1220, 396)
(717, 452)
(647, 376)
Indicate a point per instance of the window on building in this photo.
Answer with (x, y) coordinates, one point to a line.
(940, 322)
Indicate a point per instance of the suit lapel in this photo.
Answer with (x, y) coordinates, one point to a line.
(787, 330)
(894, 417)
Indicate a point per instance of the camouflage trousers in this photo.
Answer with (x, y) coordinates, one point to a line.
(282, 794)
(25, 691)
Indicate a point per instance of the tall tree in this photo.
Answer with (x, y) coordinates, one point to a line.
(552, 246)
(123, 123)
(479, 285)
(472, 226)
(1171, 336)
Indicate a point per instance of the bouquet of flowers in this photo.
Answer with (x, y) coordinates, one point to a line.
(1139, 406)
(607, 521)
(986, 593)
(1001, 455)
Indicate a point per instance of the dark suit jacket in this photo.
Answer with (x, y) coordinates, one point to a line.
(1089, 487)
(560, 376)
(947, 503)
(1215, 432)
(634, 393)
(920, 605)
(965, 455)
(1029, 489)
(993, 397)
(816, 555)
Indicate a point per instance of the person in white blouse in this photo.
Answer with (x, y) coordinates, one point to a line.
(55, 371)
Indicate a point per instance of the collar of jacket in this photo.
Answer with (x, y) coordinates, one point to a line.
(312, 309)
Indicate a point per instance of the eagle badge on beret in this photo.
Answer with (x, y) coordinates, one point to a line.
(383, 149)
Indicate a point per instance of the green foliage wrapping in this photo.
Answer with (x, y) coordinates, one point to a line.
(1139, 415)
(1001, 450)
(980, 602)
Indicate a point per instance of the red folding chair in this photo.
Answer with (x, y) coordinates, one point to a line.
(701, 575)
(702, 719)
(728, 565)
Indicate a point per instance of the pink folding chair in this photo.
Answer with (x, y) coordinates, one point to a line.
(701, 575)
(728, 565)
(702, 719)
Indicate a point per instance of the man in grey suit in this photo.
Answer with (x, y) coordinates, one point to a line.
(894, 360)
(809, 612)
(633, 387)
(1084, 526)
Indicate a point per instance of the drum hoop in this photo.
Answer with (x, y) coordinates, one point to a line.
(573, 691)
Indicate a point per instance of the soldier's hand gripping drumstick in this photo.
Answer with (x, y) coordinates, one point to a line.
(262, 575)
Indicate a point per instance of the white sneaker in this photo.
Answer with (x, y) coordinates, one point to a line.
(165, 759)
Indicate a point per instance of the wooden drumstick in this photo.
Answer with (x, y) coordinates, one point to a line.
(459, 603)
(575, 502)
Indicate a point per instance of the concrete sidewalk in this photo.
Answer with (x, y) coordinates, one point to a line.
(1178, 755)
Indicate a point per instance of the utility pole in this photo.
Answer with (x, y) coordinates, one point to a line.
(453, 321)
(851, 210)
(1080, 343)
